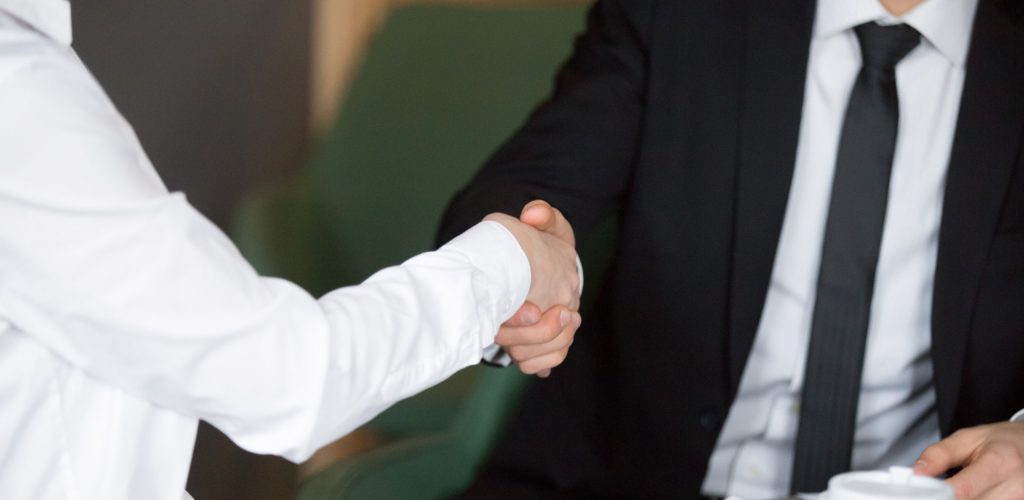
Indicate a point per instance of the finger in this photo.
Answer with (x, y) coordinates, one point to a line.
(983, 473)
(548, 361)
(547, 329)
(541, 215)
(528, 314)
(560, 346)
(564, 339)
(953, 451)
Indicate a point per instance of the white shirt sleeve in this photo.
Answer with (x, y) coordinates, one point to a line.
(127, 282)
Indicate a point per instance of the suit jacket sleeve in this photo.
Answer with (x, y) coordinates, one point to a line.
(577, 148)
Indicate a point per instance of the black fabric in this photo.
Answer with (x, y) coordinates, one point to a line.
(846, 279)
(682, 116)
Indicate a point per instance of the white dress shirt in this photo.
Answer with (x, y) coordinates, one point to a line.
(125, 316)
(896, 417)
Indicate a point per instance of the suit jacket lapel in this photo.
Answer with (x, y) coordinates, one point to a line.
(777, 47)
(984, 149)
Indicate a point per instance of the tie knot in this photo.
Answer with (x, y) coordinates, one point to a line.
(882, 47)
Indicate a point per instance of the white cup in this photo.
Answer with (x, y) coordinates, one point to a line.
(899, 483)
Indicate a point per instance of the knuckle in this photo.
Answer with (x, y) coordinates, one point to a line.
(529, 368)
(570, 334)
(935, 452)
(967, 433)
(516, 353)
(1008, 455)
(552, 362)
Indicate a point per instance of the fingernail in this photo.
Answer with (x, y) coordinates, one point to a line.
(564, 317)
(531, 316)
(920, 465)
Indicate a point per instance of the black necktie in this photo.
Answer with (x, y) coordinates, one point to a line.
(853, 235)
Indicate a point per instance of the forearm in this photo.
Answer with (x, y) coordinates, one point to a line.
(416, 324)
(156, 301)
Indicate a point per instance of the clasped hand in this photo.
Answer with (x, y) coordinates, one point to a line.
(538, 336)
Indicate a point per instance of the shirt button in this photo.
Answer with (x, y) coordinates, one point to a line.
(710, 419)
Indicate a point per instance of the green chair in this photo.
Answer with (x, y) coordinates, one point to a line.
(440, 88)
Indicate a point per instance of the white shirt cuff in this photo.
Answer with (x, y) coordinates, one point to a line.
(494, 251)
(1018, 417)
(579, 271)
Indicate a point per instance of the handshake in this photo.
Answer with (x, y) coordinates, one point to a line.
(539, 334)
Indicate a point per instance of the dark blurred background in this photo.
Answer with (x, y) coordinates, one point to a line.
(218, 93)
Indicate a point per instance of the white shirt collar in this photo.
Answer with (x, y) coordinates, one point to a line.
(50, 17)
(945, 24)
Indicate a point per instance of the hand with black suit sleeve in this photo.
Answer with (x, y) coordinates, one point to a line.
(991, 457)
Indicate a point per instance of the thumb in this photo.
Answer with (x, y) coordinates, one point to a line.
(539, 214)
(527, 315)
(954, 451)
(542, 216)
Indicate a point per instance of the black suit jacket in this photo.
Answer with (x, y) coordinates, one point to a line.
(682, 116)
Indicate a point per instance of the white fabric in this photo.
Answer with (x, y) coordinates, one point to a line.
(50, 17)
(125, 316)
(896, 416)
